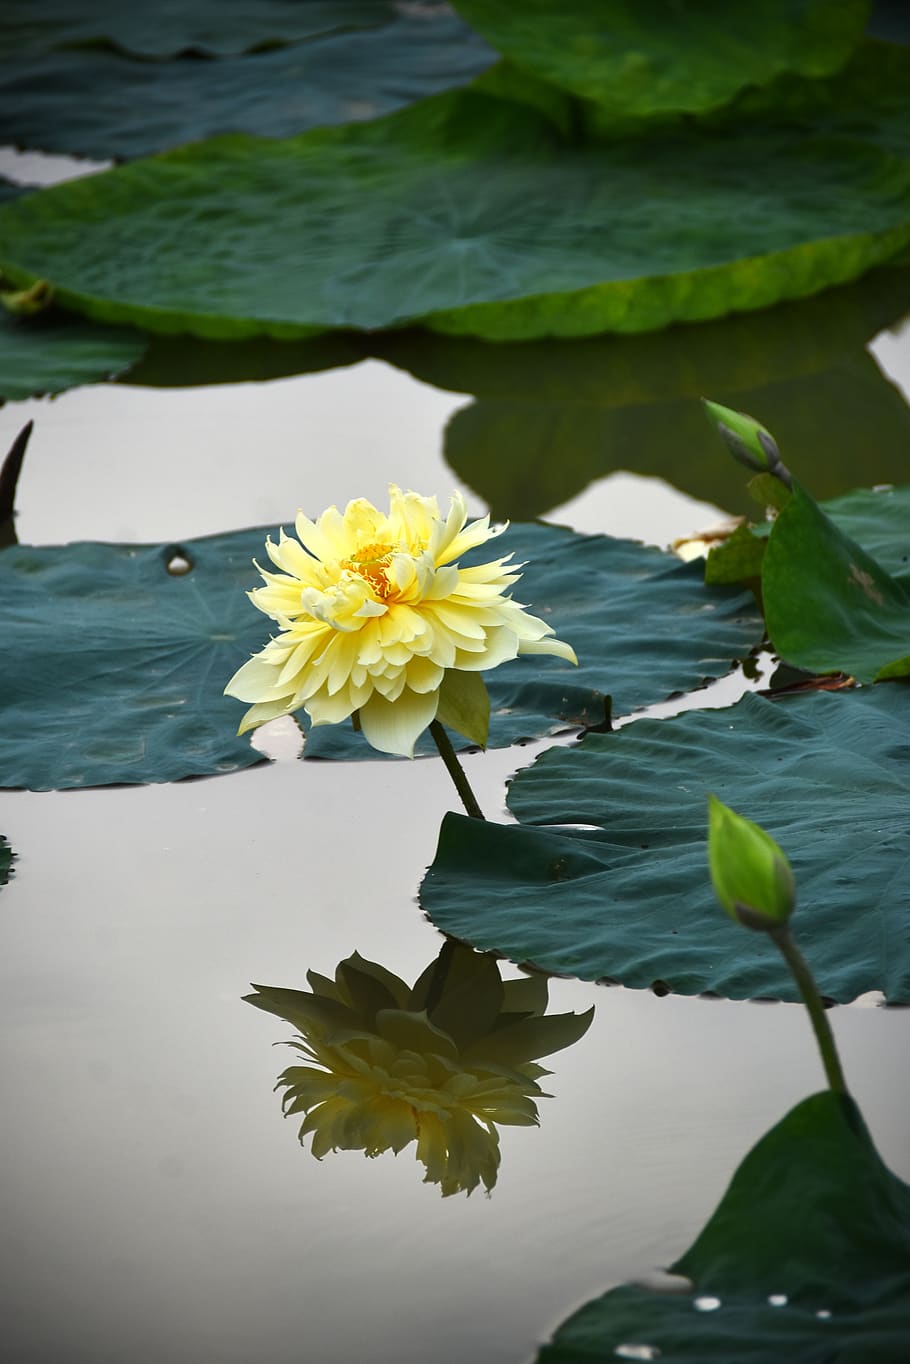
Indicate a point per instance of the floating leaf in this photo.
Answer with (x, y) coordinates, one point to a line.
(471, 213)
(807, 1258)
(140, 107)
(607, 877)
(53, 351)
(657, 57)
(172, 26)
(113, 669)
(829, 606)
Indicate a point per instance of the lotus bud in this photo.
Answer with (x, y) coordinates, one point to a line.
(748, 441)
(752, 877)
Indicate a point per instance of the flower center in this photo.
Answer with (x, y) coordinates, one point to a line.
(370, 562)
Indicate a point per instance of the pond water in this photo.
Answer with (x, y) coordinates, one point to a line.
(155, 1204)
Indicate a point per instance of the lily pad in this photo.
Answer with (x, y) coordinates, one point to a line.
(807, 1258)
(606, 877)
(140, 107)
(113, 667)
(53, 351)
(830, 607)
(469, 212)
(657, 57)
(173, 26)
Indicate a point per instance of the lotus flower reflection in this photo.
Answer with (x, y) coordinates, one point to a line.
(440, 1064)
(373, 613)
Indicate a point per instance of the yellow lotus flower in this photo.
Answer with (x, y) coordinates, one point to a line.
(440, 1064)
(373, 612)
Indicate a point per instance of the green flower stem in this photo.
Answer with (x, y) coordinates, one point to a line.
(455, 770)
(812, 1000)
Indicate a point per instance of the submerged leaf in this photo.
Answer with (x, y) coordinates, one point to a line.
(606, 878)
(829, 1281)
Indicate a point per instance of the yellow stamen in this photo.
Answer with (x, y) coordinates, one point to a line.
(370, 562)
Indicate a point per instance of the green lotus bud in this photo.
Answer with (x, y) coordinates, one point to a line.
(752, 877)
(747, 440)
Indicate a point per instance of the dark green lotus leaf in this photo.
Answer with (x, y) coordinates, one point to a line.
(481, 218)
(807, 1257)
(113, 668)
(829, 606)
(658, 57)
(606, 877)
(214, 27)
(6, 861)
(53, 351)
(638, 619)
(140, 107)
(879, 520)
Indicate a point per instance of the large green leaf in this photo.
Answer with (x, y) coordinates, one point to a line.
(140, 107)
(113, 668)
(550, 419)
(658, 57)
(606, 877)
(52, 351)
(807, 1258)
(168, 27)
(830, 607)
(468, 211)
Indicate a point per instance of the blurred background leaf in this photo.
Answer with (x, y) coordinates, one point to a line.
(345, 71)
(657, 57)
